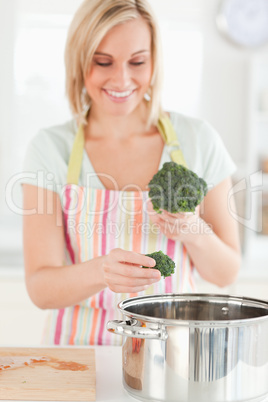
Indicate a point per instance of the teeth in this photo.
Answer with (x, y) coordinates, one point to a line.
(119, 94)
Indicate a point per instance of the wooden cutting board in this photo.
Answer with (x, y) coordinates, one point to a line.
(46, 374)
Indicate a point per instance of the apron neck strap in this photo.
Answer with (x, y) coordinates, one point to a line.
(169, 135)
(165, 128)
(76, 157)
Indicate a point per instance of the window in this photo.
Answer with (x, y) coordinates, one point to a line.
(183, 62)
(38, 101)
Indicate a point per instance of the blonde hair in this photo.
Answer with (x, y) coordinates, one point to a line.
(90, 24)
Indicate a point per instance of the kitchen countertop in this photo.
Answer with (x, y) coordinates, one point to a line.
(109, 386)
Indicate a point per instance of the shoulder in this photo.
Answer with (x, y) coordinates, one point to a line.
(56, 140)
(192, 128)
(48, 152)
(197, 137)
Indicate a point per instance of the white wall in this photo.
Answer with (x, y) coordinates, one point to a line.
(225, 75)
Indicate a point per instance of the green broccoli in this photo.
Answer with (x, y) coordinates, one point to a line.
(163, 263)
(174, 188)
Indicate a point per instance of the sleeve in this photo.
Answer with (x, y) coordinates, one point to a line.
(217, 162)
(203, 149)
(42, 166)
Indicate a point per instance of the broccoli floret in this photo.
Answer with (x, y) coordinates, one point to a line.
(175, 188)
(163, 263)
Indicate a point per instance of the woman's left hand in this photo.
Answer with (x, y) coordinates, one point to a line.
(179, 226)
(210, 235)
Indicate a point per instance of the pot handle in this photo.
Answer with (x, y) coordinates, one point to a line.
(131, 329)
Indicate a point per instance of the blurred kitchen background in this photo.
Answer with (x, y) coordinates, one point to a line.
(206, 75)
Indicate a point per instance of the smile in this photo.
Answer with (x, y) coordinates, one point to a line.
(119, 96)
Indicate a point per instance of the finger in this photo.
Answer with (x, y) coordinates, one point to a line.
(150, 208)
(169, 230)
(179, 220)
(168, 218)
(128, 281)
(131, 271)
(170, 224)
(178, 215)
(132, 258)
(124, 289)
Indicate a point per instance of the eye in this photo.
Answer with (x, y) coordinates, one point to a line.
(137, 63)
(103, 64)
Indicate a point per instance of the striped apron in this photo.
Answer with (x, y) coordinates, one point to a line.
(97, 221)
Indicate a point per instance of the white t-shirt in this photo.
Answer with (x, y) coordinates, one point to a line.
(48, 153)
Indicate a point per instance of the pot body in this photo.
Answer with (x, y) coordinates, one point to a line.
(188, 348)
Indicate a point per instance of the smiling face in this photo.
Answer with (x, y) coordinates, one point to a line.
(121, 69)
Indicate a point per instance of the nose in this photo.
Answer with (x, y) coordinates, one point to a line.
(121, 76)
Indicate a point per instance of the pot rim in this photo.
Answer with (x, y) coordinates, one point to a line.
(252, 302)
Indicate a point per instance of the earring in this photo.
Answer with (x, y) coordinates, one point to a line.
(147, 97)
(84, 91)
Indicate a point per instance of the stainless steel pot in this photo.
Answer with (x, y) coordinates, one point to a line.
(194, 348)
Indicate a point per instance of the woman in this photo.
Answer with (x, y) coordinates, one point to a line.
(89, 221)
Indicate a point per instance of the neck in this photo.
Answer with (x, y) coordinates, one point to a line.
(117, 127)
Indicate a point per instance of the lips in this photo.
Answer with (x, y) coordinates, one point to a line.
(123, 94)
(119, 96)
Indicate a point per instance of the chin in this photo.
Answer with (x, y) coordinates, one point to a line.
(121, 111)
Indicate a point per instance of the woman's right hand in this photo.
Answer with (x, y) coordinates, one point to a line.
(123, 272)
